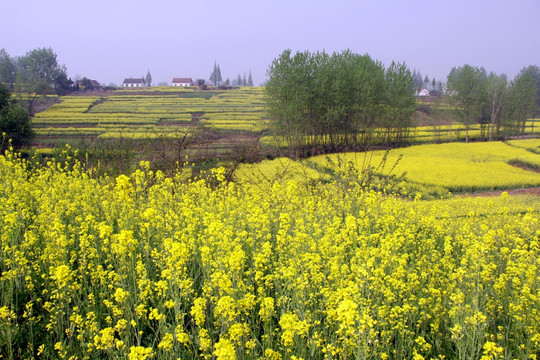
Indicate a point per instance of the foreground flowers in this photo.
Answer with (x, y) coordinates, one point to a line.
(145, 266)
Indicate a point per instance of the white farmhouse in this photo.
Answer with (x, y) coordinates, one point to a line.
(182, 82)
(139, 82)
(423, 92)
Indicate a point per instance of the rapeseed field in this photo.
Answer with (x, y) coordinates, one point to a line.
(144, 266)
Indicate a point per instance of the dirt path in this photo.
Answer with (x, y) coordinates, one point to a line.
(532, 191)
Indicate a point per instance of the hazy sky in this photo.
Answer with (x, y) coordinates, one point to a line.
(109, 40)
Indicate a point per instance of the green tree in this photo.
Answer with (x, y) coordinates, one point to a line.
(5, 97)
(40, 64)
(201, 83)
(315, 99)
(250, 79)
(534, 72)
(523, 100)
(399, 102)
(148, 79)
(440, 87)
(418, 80)
(39, 73)
(467, 92)
(497, 91)
(286, 94)
(8, 70)
(353, 90)
(14, 122)
(218, 76)
(62, 85)
(86, 84)
(213, 75)
(36, 89)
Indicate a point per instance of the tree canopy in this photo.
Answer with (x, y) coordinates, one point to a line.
(14, 122)
(467, 92)
(338, 101)
(501, 107)
(521, 103)
(39, 63)
(215, 76)
(37, 72)
(148, 79)
(8, 69)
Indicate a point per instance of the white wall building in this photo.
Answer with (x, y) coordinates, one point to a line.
(182, 82)
(423, 92)
(133, 82)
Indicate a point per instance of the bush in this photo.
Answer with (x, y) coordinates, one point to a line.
(15, 125)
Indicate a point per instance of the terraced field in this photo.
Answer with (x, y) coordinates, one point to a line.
(167, 111)
(141, 115)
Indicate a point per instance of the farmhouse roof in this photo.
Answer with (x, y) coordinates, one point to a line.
(134, 81)
(182, 80)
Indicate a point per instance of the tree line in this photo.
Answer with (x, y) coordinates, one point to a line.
(344, 101)
(216, 79)
(15, 126)
(34, 71)
(319, 102)
(501, 107)
(38, 73)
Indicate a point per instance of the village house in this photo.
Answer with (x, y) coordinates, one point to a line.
(182, 82)
(139, 82)
(423, 92)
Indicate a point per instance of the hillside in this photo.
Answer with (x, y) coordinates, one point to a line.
(141, 115)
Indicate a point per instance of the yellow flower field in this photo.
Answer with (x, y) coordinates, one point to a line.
(532, 145)
(118, 114)
(150, 267)
(240, 110)
(457, 166)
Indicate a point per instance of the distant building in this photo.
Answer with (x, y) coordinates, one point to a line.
(139, 82)
(182, 82)
(423, 92)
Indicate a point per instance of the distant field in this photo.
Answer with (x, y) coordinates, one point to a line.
(456, 132)
(169, 111)
(456, 167)
(462, 167)
(151, 113)
(433, 134)
(532, 145)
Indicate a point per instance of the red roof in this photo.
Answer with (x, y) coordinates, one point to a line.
(182, 80)
(134, 81)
